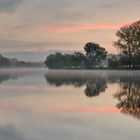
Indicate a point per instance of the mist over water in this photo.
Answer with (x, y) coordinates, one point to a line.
(38, 104)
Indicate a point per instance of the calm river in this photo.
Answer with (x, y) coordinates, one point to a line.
(37, 104)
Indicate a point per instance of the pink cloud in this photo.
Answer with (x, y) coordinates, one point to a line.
(81, 27)
(5, 14)
(87, 109)
(7, 27)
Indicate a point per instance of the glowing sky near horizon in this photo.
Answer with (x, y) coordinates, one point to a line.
(42, 25)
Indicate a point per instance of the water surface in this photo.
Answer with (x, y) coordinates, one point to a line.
(37, 104)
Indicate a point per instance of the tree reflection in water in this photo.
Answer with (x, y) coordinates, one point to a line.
(6, 77)
(94, 86)
(129, 96)
(58, 82)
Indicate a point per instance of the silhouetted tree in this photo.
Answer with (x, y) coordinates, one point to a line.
(129, 43)
(4, 61)
(114, 62)
(55, 61)
(94, 54)
(78, 59)
(65, 61)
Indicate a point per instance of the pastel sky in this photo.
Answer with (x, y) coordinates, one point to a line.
(42, 25)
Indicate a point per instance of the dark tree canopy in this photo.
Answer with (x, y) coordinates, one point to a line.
(114, 62)
(94, 54)
(77, 60)
(65, 61)
(128, 43)
(4, 61)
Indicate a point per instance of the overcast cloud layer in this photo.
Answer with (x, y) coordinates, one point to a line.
(62, 24)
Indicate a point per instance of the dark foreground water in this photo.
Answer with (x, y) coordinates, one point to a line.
(37, 104)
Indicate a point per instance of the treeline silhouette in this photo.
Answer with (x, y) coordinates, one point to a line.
(7, 62)
(95, 56)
